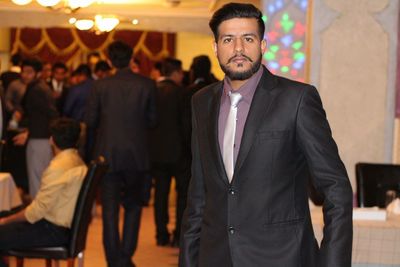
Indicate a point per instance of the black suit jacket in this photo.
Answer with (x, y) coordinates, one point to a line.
(165, 138)
(121, 108)
(39, 109)
(262, 218)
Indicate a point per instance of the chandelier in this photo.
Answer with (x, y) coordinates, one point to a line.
(100, 23)
(68, 6)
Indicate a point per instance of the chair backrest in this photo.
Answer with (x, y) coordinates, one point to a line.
(84, 205)
(374, 180)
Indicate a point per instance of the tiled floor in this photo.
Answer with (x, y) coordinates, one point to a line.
(147, 254)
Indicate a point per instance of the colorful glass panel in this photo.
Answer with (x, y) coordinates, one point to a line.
(285, 23)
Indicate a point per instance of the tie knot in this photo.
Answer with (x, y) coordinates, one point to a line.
(235, 98)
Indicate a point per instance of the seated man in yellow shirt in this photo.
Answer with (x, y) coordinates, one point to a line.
(47, 220)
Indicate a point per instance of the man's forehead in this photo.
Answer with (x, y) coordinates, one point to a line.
(238, 26)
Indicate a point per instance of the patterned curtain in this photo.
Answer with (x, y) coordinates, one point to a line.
(72, 46)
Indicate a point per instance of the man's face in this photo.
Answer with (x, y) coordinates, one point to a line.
(46, 72)
(59, 74)
(28, 74)
(177, 76)
(239, 48)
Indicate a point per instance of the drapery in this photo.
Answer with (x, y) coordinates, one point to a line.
(72, 46)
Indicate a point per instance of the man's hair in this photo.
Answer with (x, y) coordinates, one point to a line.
(65, 133)
(236, 10)
(102, 65)
(16, 59)
(34, 63)
(83, 69)
(169, 65)
(59, 65)
(120, 54)
(201, 67)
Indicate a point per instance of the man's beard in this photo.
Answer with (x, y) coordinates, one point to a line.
(242, 75)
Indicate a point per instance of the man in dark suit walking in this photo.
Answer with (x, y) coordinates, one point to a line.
(120, 109)
(165, 144)
(255, 136)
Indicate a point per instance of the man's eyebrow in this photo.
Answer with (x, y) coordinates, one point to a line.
(245, 34)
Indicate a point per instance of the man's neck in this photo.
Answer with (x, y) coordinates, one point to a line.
(236, 84)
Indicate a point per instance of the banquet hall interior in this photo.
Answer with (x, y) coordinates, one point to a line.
(347, 49)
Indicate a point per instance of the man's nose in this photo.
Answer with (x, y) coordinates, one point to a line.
(238, 45)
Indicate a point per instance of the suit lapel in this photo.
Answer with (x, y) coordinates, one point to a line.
(260, 104)
(213, 132)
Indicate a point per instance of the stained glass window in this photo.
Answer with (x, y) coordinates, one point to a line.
(285, 23)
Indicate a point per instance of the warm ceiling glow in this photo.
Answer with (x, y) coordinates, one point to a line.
(72, 20)
(21, 2)
(135, 21)
(106, 24)
(79, 3)
(84, 24)
(47, 3)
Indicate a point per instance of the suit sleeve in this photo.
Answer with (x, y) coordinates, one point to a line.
(92, 108)
(315, 138)
(151, 110)
(192, 218)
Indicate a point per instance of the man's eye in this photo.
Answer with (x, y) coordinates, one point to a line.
(248, 39)
(227, 40)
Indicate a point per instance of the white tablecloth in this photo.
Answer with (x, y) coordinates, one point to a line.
(9, 197)
(375, 243)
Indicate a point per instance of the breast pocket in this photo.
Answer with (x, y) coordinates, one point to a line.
(274, 134)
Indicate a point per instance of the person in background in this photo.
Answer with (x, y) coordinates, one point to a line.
(91, 60)
(102, 70)
(255, 138)
(155, 73)
(200, 76)
(165, 144)
(134, 64)
(47, 72)
(76, 100)
(75, 107)
(120, 110)
(13, 73)
(58, 84)
(47, 220)
(16, 92)
(39, 110)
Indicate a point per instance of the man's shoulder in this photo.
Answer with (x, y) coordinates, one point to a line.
(135, 79)
(208, 91)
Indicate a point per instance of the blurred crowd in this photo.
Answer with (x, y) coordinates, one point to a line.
(34, 93)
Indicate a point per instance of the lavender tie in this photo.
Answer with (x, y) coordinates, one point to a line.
(229, 135)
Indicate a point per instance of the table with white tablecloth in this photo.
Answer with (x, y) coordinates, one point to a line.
(375, 243)
(9, 196)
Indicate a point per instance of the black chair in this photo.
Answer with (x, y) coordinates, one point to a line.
(374, 180)
(80, 223)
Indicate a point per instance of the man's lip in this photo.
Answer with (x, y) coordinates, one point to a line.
(239, 59)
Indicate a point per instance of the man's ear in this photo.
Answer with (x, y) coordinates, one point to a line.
(215, 48)
(263, 46)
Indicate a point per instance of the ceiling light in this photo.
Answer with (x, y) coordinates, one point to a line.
(135, 21)
(84, 24)
(48, 3)
(79, 3)
(105, 24)
(72, 20)
(21, 2)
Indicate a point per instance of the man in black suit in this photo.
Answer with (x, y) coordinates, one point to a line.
(255, 135)
(121, 108)
(165, 143)
(58, 84)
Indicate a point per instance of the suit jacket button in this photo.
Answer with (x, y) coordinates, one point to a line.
(231, 230)
(231, 191)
